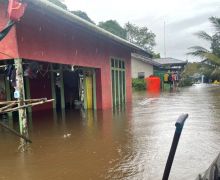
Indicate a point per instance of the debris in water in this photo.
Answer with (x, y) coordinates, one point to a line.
(66, 135)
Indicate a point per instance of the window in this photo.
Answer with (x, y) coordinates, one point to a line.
(118, 81)
(141, 75)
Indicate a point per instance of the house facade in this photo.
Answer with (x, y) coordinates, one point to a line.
(142, 66)
(72, 56)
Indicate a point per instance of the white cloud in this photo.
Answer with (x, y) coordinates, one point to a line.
(183, 18)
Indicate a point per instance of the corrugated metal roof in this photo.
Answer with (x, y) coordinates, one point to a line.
(84, 24)
(170, 61)
(145, 59)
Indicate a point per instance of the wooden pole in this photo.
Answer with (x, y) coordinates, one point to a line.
(94, 90)
(8, 98)
(85, 90)
(62, 88)
(53, 86)
(28, 93)
(15, 132)
(21, 97)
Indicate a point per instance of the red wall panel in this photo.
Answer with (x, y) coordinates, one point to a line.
(41, 88)
(8, 46)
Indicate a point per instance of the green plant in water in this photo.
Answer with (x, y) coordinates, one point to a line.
(138, 84)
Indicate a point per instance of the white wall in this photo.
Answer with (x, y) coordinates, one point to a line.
(140, 66)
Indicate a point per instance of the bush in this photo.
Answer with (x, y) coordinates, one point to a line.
(138, 84)
(186, 81)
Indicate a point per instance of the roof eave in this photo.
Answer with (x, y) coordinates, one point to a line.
(83, 23)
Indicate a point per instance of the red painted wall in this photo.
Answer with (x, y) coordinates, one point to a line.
(41, 88)
(8, 45)
(45, 37)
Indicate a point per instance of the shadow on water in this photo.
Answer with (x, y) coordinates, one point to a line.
(129, 142)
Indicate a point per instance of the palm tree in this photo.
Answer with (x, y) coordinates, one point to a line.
(212, 55)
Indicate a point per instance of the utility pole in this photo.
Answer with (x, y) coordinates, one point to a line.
(165, 39)
(20, 95)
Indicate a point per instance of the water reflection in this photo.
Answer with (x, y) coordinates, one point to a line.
(129, 142)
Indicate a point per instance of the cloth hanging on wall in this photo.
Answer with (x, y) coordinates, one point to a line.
(7, 29)
(10, 73)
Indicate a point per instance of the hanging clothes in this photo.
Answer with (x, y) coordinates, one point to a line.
(8, 70)
(166, 75)
(13, 78)
(32, 70)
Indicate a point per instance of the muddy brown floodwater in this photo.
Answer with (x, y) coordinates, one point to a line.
(131, 143)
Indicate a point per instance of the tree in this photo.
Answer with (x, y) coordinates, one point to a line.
(82, 15)
(140, 36)
(156, 55)
(212, 55)
(59, 3)
(114, 27)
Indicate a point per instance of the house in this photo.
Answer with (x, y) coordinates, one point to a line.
(142, 66)
(73, 59)
(170, 64)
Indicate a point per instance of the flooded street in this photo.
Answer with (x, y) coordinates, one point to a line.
(127, 144)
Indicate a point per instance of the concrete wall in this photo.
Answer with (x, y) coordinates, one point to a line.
(140, 66)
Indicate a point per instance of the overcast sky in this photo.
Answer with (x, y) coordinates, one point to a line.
(182, 18)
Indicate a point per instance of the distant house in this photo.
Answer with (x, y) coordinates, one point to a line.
(142, 66)
(170, 63)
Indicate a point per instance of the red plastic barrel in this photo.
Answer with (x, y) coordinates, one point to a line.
(153, 84)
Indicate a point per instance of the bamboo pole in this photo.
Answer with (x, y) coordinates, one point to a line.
(8, 98)
(26, 106)
(21, 98)
(15, 132)
(26, 101)
(53, 86)
(62, 95)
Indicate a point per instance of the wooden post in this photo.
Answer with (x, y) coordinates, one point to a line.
(53, 86)
(8, 98)
(27, 89)
(21, 98)
(85, 90)
(94, 90)
(62, 88)
(28, 96)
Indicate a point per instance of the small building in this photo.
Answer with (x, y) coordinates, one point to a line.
(142, 66)
(72, 58)
(169, 64)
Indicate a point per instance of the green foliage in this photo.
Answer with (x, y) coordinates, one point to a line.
(59, 3)
(215, 75)
(82, 15)
(156, 55)
(212, 56)
(138, 84)
(186, 81)
(140, 36)
(114, 27)
(193, 69)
